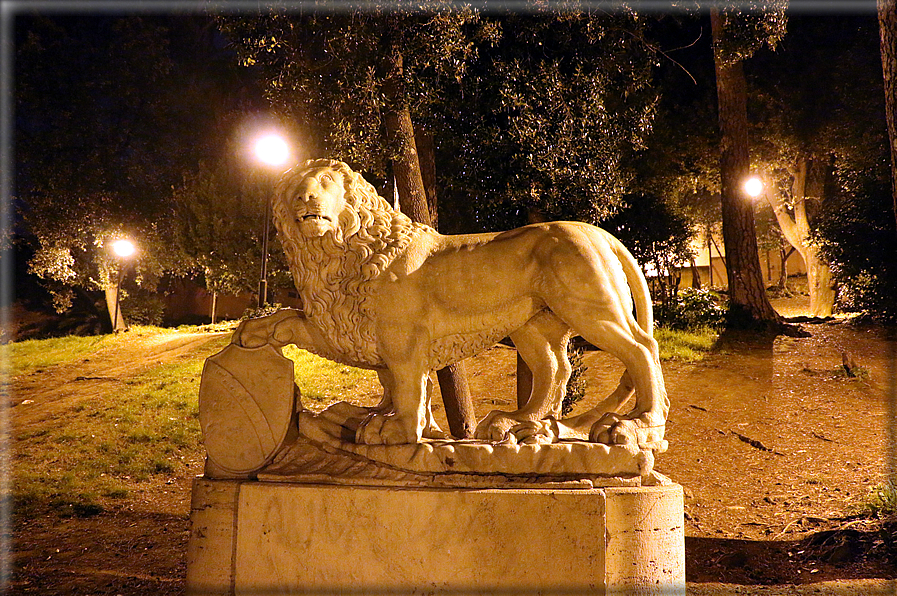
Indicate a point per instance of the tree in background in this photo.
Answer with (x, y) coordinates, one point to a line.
(679, 168)
(542, 124)
(88, 136)
(735, 38)
(110, 112)
(219, 228)
(857, 237)
(818, 129)
(887, 19)
(659, 237)
(812, 123)
(813, 104)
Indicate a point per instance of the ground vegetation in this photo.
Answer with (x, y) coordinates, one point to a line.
(804, 510)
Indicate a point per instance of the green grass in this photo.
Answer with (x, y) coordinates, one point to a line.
(103, 449)
(37, 354)
(882, 503)
(685, 346)
(322, 381)
(143, 427)
(33, 354)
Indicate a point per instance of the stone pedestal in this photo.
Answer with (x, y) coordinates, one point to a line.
(254, 538)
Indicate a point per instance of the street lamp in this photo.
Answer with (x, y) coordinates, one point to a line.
(753, 186)
(124, 249)
(272, 150)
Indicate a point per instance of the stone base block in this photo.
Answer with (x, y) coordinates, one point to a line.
(255, 538)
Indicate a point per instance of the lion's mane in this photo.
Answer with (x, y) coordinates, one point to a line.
(334, 273)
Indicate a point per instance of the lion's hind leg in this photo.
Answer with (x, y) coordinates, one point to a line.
(542, 343)
(582, 424)
(615, 331)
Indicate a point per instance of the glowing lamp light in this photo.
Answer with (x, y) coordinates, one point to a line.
(753, 187)
(272, 150)
(123, 248)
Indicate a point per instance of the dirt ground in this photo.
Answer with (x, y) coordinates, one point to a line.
(774, 445)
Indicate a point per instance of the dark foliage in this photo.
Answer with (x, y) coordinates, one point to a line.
(545, 120)
(576, 384)
(858, 237)
(692, 309)
(659, 237)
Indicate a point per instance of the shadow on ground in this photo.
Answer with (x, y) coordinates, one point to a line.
(832, 554)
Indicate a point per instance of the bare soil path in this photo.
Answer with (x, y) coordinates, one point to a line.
(60, 387)
(773, 443)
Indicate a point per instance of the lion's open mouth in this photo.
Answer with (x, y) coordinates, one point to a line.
(316, 216)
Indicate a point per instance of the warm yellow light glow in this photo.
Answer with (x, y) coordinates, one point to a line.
(753, 186)
(272, 150)
(123, 248)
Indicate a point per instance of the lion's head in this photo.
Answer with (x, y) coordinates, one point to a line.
(339, 235)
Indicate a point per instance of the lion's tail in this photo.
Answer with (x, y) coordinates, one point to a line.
(638, 285)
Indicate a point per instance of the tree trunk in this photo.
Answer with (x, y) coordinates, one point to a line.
(887, 21)
(400, 137)
(214, 305)
(748, 304)
(426, 153)
(796, 229)
(783, 273)
(819, 281)
(413, 199)
(695, 274)
(457, 401)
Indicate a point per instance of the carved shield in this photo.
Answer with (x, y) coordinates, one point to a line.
(246, 406)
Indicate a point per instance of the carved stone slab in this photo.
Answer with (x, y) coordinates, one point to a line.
(325, 454)
(246, 406)
(570, 459)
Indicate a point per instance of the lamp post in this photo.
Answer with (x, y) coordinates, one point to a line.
(272, 151)
(124, 249)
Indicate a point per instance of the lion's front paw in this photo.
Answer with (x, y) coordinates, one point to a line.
(495, 427)
(386, 429)
(539, 432)
(501, 427)
(644, 431)
(271, 329)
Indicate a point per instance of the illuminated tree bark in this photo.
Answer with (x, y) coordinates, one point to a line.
(748, 303)
(887, 21)
(795, 227)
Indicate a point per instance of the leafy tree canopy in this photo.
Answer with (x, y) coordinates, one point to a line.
(533, 111)
(328, 71)
(542, 125)
(110, 111)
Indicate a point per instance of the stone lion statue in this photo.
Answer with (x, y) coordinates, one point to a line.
(385, 293)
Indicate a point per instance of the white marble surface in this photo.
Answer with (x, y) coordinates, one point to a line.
(251, 538)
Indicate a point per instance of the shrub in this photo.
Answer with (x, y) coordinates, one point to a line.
(882, 502)
(859, 241)
(692, 309)
(576, 385)
(143, 308)
(260, 311)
